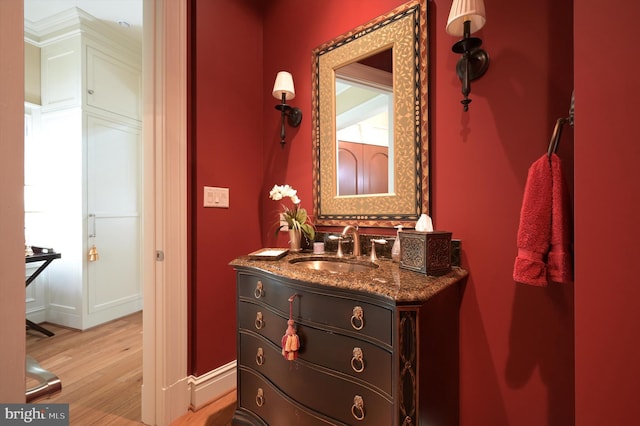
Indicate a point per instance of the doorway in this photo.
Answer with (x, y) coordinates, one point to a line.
(100, 144)
(165, 393)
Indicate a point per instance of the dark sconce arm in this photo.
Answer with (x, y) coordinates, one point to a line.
(473, 64)
(294, 115)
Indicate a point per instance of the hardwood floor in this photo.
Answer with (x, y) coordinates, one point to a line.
(101, 374)
(218, 413)
(100, 369)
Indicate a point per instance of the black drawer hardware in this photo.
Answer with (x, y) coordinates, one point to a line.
(260, 356)
(357, 362)
(357, 319)
(357, 409)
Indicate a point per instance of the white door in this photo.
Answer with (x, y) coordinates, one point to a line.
(114, 286)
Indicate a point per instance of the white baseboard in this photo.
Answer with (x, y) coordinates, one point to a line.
(63, 315)
(212, 385)
(37, 315)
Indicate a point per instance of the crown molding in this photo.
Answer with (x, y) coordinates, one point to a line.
(76, 21)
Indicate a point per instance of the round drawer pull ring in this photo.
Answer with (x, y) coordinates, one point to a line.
(260, 357)
(259, 292)
(260, 397)
(357, 319)
(357, 362)
(357, 409)
(259, 321)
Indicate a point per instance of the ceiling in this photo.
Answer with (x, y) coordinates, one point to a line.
(109, 11)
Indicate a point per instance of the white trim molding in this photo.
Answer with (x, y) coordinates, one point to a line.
(212, 385)
(165, 392)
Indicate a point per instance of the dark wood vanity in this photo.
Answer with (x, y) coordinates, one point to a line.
(377, 347)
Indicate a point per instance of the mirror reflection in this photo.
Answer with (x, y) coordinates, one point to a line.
(364, 125)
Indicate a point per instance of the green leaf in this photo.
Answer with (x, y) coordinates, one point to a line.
(302, 215)
(308, 230)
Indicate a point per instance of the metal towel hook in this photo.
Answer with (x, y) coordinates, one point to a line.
(557, 130)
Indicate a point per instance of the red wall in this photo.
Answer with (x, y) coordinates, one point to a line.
(607, 203)
(226, 135)
(517, 342)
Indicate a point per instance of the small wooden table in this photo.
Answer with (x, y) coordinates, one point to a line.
(46, 256)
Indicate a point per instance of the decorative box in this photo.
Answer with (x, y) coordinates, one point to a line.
(426, 252)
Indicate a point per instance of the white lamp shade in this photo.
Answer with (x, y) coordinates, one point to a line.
(284, 84)
(466, 10)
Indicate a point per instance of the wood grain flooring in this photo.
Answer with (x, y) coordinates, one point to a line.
(100, 369)
(101, 374)
(218, 413)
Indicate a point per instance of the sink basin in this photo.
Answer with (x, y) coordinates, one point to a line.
(333, 264)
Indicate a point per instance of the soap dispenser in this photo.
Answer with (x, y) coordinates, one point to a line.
(395, 250)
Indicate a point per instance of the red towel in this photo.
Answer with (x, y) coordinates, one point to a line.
(560, 259)
(535, 225)
(544, 234)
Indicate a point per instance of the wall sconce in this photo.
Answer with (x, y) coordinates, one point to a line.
(283, 89)
(465, 18)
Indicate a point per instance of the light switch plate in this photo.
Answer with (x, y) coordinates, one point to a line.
(216, 197)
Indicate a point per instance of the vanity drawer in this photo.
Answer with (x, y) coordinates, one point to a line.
(316, 387)
(342, 312)
(370, 363)
(261, 320)
(328, 350)
(260, 398)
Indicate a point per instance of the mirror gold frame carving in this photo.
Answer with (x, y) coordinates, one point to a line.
(405, 30)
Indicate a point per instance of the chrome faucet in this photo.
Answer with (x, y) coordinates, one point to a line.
(356, 238)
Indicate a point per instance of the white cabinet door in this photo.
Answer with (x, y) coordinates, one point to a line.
(60, 79)
(114, 286)
(113, 85)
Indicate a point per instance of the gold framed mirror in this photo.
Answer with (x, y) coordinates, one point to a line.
(370, 154)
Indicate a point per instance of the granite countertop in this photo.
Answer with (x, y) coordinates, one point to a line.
(388, 280)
